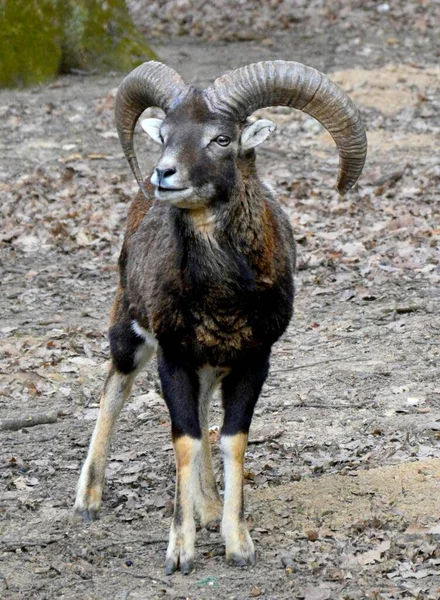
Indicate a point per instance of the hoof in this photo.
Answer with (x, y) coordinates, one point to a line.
(238, 560)
(180, 551)
(88, 497)
(210, 515)
(89, 514)
(240, 550)
(186, 566)
(170, 566)
(213, 525)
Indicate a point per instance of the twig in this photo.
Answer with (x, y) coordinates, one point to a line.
(12, 545)
(321, 362)
(154, 541)
(269, 438)
(314, 405)
(389, 179)
(29, 421)
(142, 542)
(401, 310)
(143, 576)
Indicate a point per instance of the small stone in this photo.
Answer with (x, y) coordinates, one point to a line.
(312, 535)
(288, 564)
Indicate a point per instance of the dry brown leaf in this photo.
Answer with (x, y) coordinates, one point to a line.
(375, 554)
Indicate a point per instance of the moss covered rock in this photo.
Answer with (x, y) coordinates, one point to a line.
(99, 34)
(41, 38)
(30, 41)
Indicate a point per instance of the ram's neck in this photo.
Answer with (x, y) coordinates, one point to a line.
(203, 221)
(230, 241)
(232, 220)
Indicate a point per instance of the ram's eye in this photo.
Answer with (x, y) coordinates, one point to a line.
(223, 140)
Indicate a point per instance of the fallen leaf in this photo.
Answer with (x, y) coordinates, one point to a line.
(256, 591)
(316, 593)
(373, 555)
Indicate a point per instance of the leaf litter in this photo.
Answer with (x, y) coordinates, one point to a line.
(342, 472)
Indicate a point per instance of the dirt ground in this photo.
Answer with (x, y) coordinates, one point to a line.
(343, 468)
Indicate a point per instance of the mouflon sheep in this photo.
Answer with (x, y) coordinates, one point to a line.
(206, 275)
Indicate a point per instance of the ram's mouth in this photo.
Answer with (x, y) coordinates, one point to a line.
(169, 189)
(173, 195)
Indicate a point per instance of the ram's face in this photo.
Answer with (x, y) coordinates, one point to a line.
(198, 165)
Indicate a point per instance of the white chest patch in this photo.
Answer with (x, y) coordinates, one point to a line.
(204, 222)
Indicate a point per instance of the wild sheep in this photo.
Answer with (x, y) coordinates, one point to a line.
(206, 275)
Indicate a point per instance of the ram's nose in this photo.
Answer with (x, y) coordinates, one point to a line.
(163, 174)
(162, 177)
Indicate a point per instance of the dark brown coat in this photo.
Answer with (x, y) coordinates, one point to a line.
(210, 291)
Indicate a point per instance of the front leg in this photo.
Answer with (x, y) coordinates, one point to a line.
(130, 353)
(180, 552)
(241, 389)
(180, 388)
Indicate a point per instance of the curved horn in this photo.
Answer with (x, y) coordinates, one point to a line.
(150, 84)
(280, 83)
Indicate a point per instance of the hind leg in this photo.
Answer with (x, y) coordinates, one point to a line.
(130, 349)
(91, 481)
(208, 504)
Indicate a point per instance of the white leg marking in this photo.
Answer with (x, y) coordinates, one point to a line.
(239, 546)
(183, 529)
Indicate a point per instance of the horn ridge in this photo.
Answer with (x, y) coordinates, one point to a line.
(286, 83)
(150, 84)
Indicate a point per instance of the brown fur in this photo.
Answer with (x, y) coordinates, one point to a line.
(153, 252)
(183, 449)
(138, 209)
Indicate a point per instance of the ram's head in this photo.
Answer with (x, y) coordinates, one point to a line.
(206, 133)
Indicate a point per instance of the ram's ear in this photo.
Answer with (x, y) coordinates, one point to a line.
(152, 127)
(255, 133)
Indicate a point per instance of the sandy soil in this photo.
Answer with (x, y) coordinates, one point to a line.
(343, 469)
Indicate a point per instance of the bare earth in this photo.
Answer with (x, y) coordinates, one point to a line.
(343, 469)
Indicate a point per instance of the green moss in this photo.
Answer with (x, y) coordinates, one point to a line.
(100, 35)
(41, 38)
(30, 42)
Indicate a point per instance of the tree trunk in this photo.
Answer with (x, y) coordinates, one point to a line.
(41, 38)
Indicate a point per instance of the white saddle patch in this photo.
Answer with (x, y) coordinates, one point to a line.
(147, 336)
